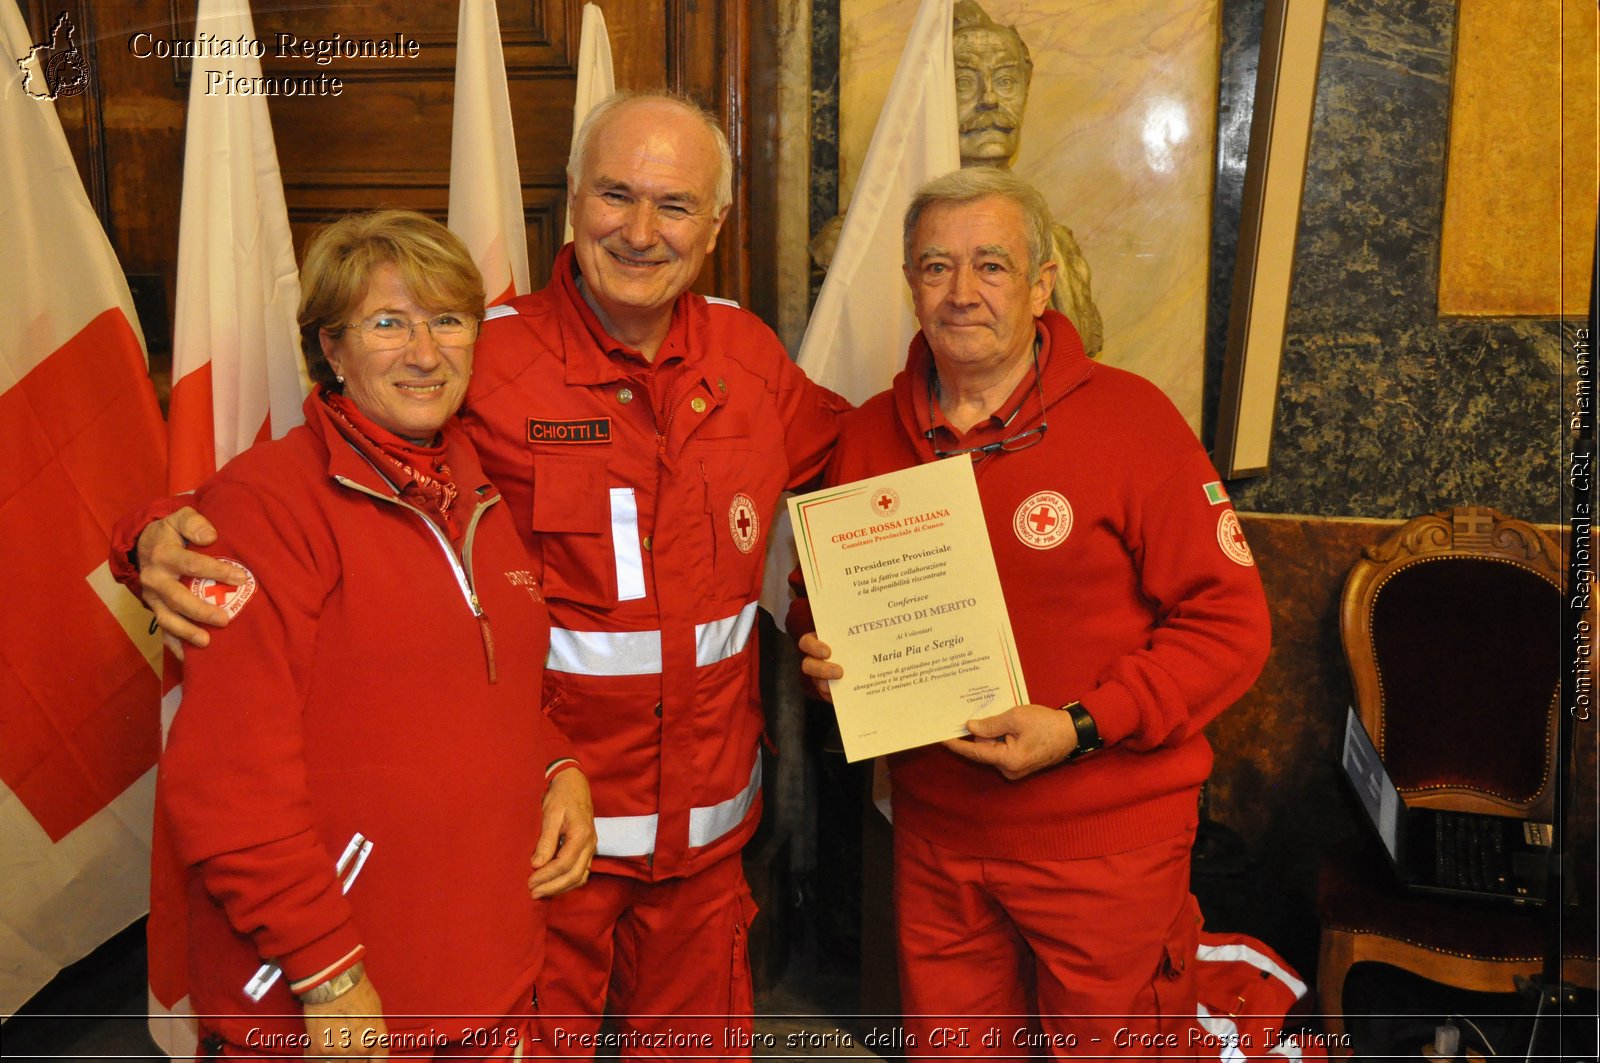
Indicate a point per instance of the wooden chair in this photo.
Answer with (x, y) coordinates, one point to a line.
(1451, 630)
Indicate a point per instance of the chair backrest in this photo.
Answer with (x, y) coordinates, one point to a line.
(1451, 628)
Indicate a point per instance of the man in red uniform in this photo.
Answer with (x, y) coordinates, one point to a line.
(641, 435)
(1042, 865)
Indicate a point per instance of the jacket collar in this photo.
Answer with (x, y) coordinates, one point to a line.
(1063, 367)
(593, 356)
(345, 462)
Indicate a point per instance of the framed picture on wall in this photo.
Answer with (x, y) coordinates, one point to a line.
(1275, 170)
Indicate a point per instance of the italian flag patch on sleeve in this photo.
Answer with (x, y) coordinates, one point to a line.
(1216, 494)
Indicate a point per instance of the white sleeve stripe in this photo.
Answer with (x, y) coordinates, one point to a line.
(1225, 1034)
(1246, 954)
(625, 544)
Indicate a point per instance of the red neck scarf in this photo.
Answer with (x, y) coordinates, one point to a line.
(420, 472)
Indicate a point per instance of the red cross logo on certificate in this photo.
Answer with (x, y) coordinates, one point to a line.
(885, 501)
(229, 598)
(744, 523)
(1043, 520)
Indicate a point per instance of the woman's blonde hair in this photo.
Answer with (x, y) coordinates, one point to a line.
(431, 261)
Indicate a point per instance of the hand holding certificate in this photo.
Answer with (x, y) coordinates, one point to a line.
(903, 588)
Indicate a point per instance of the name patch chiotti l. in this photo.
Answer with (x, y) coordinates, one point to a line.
(584, 430)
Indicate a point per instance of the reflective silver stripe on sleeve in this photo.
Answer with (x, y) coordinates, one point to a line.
(721, 639)
(639, 652)
(604, 652)
(625, 544)
(636, 835)
(706, 825)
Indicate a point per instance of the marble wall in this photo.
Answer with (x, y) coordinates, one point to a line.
(1384, 409)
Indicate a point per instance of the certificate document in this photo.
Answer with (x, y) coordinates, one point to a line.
(904, 590)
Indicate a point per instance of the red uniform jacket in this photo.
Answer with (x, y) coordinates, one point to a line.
(647, 492)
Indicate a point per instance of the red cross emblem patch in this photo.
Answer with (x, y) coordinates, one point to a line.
(1231, 538)
(1043, 520)
(744, 523)
(231, 599)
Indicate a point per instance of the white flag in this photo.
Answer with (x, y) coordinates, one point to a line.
(238, 375)
(596, 79)
(862, 324)
(857, 337)
(84, 443)
(485, 185)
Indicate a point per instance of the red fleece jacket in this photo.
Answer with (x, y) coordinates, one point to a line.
(351, 691)
(1129, 586)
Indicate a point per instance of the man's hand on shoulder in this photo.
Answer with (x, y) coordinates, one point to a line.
(165, 562)
(1020, 741)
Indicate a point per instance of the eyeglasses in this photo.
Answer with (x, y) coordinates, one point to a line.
(385, 332)
(1020, 441)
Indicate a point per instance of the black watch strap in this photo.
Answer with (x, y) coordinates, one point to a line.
(1089, 738)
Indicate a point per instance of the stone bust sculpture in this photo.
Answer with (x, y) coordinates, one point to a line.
(993, 72)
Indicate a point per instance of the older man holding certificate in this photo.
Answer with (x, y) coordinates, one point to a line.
(1042, 861)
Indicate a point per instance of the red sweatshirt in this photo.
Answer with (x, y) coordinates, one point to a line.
(1129, 586)
(351, 691)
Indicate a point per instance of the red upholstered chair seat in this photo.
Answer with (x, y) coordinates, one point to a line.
(1468, 654)
(1451, 628)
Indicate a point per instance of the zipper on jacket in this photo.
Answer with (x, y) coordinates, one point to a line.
(664, 432)
(466, 575)
(461, 566)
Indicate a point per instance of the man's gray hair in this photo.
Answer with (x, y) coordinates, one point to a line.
(972, 183)
(598, 114)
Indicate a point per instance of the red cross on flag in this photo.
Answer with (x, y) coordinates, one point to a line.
(84, 443)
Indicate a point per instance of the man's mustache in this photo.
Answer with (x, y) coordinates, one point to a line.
(998, 119)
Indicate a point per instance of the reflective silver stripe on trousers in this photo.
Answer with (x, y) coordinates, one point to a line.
(639, 652)
(636, 835)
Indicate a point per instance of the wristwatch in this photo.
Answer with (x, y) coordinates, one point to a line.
(1089, 738)
(335, 987)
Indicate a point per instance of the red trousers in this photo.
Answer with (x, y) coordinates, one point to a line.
(1048, 958)
(669, 961)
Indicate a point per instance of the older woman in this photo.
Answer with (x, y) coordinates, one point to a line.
(379, 678)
